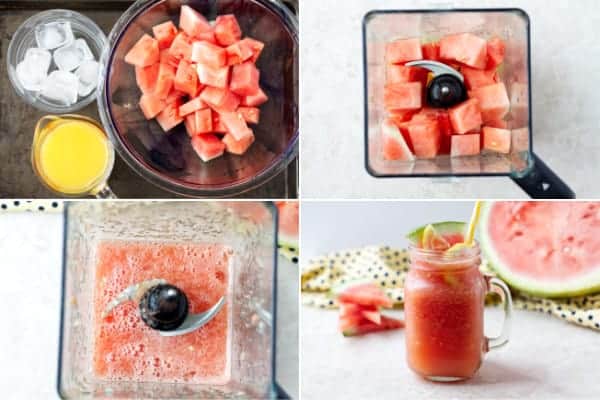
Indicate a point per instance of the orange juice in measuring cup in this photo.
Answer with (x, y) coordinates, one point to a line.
(72, 155)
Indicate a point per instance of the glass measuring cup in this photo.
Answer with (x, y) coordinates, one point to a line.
(72, 156)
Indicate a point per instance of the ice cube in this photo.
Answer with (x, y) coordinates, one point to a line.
(32, 71)
(61, 86)
(68, 57)
(53, 34)
(86, 52)
(88, 76)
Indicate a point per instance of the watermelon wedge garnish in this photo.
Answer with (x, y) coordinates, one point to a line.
(439, 236)
(360, 314)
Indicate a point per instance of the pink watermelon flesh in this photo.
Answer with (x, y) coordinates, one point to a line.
(368, 294)
(288, 222)
(546, 248)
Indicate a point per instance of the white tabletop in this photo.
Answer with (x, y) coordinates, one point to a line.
(546, 358)
(566, 71)
(30, 262)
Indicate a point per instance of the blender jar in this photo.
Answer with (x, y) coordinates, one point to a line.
(249, 229)
(168, 160)
(512, 26)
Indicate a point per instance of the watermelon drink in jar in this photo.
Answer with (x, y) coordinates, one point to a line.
(444, 306)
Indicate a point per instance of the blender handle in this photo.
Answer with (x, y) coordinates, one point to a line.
(542, 183)
(496, 285)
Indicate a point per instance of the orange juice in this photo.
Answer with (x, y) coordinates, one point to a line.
(72, 155)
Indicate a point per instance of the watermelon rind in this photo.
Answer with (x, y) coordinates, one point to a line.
(443, 228)
(583, 285)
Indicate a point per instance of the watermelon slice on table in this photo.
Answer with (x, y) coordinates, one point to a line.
(367, 294)
(208, 146)
(496, 140)
(403, 51)
(289, 218)
(395, 146)
(465, 145)
(466, 117)
(545, 248)
(165, 34)
(403, 96)
(227, 30)
(493, 101)
(144, 53)
(465, 48)
(351, 327)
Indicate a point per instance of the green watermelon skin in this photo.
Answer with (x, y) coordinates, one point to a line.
(578, 283)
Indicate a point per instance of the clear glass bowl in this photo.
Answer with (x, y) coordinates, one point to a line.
(169, 161)
(512, 25)
(24, 38)
(249, 228)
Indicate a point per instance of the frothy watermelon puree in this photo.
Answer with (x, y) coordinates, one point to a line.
(126, 349)
(547, 240)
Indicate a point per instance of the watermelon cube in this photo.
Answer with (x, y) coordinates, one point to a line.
(476, 78)
(167, 58)
(402, 74)
(164, 81)
(186, 79)
(209, 54)
(465, 145)
(207, 36)
(400, 116)
(146, 77)
(165, 34)
(169, 117)
(208, 146)
(465, 117)
(244, 79)
(257, 47)
(238, 147)
(235, 124)
(465, 48)
(190, 124)
(496, 140)
(255, 100)
(496, 49)
(218, 124)
(221, 100)
(227, 30)
(174, 95)
(181, 47)
(144, 53)
(394, 145)
(403, 50)
(215, 77)
(191, 106)
(151, 105)
(497, 123)
(203, 121)
(431, 51)
(239, 52)
(403, 96)
(192, 22)
(250, 114)
(493, 101)
(425, 137)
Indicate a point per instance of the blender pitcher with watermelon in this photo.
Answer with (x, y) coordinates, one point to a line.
(169, 300)
(448, 93)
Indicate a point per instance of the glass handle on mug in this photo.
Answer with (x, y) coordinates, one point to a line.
(496, 285)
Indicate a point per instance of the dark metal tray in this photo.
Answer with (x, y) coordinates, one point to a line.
(17, 119)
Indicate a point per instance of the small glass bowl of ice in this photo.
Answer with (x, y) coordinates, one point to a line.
(53, 60)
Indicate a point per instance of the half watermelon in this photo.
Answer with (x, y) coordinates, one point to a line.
(547, 249)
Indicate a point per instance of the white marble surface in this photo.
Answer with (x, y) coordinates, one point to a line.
(30, 262)
(566, 73)
(545, 359)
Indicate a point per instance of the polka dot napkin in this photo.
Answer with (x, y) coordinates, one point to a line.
(387, 267)
(31, 205)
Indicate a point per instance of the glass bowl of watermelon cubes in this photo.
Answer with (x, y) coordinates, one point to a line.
(208, 250)
(201, 97)
(448, 93)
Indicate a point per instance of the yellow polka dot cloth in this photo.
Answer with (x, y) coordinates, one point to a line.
(387, 267)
